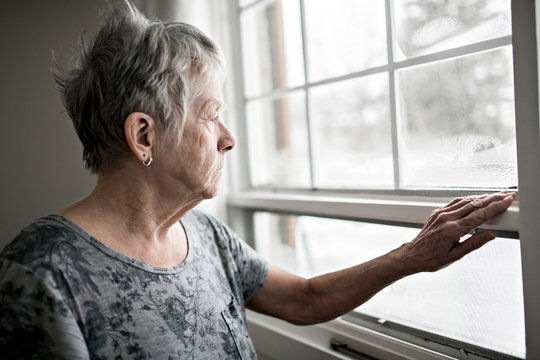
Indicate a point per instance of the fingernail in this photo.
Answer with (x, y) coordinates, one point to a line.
(509, 198)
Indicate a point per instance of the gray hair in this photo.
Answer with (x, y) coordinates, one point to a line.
(134, 64)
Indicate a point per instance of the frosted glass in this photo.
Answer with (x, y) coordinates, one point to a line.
(457, 123)
(278, 141)
(477, 300)
(350, 125)
(272, 47)
(245, 2)
(344, 36)
(424, 27)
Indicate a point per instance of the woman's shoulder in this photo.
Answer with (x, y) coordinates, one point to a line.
(41, 241)
(205, 222)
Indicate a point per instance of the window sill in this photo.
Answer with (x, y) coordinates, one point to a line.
(303, 342)
(406, 210)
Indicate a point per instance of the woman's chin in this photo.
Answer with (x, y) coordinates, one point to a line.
(211, 191)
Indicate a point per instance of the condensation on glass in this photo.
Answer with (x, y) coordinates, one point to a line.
(278, 141)
(351, 133)
(454, 116)
(344, 36)
(425, 27)
(477, 300)
(457, 122)
(272, 47)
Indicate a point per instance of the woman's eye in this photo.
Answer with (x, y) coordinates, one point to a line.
(216, 117)
(213, 116)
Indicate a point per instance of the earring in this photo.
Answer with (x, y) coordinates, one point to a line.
(147, 163)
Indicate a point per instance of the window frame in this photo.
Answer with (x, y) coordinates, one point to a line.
(521, 220)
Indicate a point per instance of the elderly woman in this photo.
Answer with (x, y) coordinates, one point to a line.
(132, 271)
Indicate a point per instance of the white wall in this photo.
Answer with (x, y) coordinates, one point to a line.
(40, 154)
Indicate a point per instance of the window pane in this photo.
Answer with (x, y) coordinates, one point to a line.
(278, 141)
(344, 36)
(245, 2)
(477, 300)
(424, 27)
(271, 59)
(352, 145)
(457, 123)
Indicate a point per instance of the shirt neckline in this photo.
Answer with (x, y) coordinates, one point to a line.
(125, 258)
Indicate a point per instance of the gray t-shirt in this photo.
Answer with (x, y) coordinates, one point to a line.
(64, 295)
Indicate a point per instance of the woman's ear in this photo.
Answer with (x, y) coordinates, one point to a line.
(140, 132)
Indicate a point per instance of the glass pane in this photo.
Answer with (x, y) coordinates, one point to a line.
(245, 2)
(478, 300)
(344, 36)
(278, 141)
(457, 123)
(424, 27)
(272, 47)
(352, 145)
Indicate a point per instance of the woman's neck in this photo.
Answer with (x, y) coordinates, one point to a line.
(130, 216)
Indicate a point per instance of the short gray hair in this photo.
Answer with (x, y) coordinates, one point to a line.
(134, 64)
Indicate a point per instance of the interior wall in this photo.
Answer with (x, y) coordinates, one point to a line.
(41, 156)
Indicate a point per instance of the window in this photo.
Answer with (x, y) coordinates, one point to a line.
(360, 118)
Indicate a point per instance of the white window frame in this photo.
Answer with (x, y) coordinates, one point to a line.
(522, 218)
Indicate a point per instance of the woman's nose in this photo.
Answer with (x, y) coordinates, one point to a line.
(226, 140)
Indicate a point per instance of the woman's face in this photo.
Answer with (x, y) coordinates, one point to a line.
(198, 160)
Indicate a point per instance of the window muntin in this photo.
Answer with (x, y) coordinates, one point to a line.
(477, 300)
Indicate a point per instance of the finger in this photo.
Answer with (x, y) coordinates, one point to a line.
(472, 204)
(472, 243)
(480, 215)
(455, 203)
(453, 206)
(465, 201)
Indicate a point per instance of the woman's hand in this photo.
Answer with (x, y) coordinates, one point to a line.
(325, 297)
(438, 243)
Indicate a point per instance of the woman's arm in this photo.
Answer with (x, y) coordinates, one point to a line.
(302, 301)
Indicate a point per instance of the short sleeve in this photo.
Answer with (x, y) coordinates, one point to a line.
(251, 267)
(35, 322)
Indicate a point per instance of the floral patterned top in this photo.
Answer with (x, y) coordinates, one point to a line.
(65, 295)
